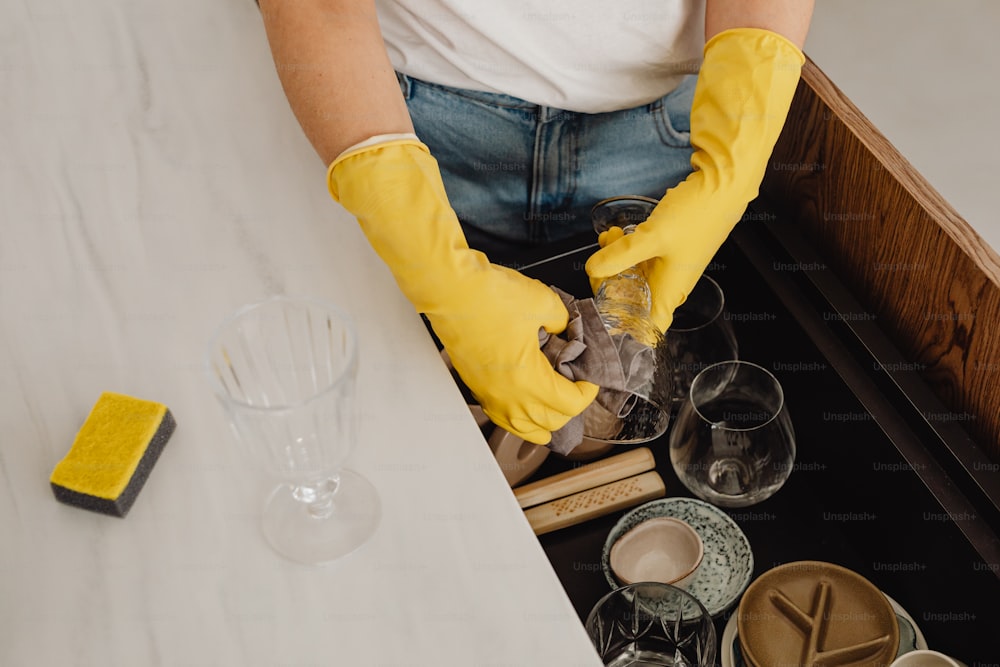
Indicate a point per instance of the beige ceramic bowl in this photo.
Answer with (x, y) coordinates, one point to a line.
(925, 658)
(663, 549)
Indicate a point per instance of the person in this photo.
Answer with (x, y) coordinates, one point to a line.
(453, 130)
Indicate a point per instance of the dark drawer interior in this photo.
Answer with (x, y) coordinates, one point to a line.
(883, 484)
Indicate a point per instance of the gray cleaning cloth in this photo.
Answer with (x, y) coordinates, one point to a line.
(586, 351)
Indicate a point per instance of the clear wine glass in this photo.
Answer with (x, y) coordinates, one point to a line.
(624, 302)
(732, 443)
(284, 371)
(699, 335)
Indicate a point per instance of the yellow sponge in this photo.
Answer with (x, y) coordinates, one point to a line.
(113, 454)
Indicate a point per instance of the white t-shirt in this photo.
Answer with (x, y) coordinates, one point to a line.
(579, 55)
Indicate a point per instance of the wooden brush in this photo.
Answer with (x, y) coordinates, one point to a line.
(595, 502)
(586, 477)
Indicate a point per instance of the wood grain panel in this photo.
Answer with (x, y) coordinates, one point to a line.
(931, 281)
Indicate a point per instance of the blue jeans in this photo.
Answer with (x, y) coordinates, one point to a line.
(519, 174)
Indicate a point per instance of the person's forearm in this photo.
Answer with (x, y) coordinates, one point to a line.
(789, 18)
(335, 71)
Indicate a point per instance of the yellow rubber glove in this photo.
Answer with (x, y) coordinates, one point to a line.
(487, 316)
(741, 99)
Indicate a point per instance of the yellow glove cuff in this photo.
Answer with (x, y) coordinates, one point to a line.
(365, 147)
(760, 40)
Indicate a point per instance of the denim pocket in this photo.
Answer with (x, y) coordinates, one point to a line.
(672, 115)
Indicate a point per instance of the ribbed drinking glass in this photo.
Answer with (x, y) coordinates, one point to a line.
(284, 371)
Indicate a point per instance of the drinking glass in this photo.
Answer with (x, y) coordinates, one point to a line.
(284, 371)
(699, 335)
(651, 623)
(732, 443)
(624, 302)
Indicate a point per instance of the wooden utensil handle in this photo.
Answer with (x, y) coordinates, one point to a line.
(586, 477)
(595, 502)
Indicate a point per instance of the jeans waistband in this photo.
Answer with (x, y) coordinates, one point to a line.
(504, 101)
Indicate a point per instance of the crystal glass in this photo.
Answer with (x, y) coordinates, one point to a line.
(284, 371)
(652, 624)
(699, 335)
(732, 443)
(624, 301)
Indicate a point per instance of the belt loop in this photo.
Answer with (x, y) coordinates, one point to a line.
(405, 85)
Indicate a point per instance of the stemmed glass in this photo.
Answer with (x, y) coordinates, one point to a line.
(624, 302)
(732, 443)
(699, 335)
(284, 371)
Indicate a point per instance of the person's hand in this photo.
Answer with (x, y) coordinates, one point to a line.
(487, 317)
(741, 100)
(490, 331)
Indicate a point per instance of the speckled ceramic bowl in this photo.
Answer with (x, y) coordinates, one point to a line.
(727, 563)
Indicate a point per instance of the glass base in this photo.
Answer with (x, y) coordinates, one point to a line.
(646, 421)
(299, 535)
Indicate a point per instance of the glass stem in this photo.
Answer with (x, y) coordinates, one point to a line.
(318, 497)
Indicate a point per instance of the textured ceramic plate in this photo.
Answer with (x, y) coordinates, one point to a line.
(828, 604)
(910, 637)
(727, 565)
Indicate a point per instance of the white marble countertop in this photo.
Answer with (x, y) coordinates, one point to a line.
(152, 180)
